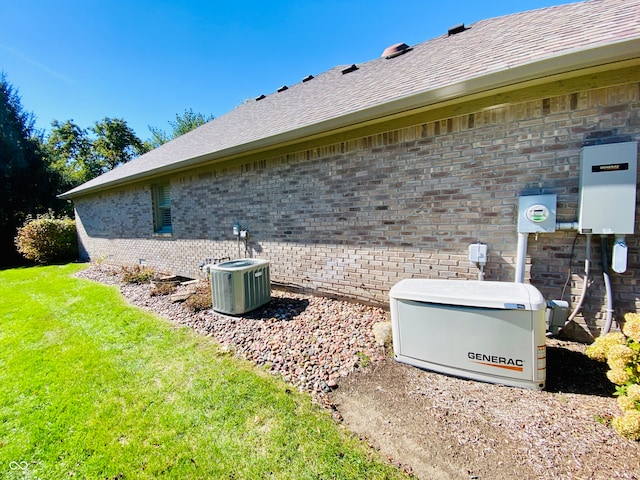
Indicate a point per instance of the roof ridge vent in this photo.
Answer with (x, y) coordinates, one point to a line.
(457, 29)
(350, 69)
(396, 50)
(282, 88)
(260, 98)
(307, 78)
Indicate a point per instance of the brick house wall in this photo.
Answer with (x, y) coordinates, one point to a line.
(351, 218)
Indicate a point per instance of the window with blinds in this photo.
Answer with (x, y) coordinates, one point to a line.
(162, 208)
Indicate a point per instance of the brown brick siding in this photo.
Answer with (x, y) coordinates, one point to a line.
(353, 218)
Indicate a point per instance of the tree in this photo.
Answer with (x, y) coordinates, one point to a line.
(184, 123)
(33, 173)
(158, 138)
(115, 144)
(28, 185)
(79, 157)
(70, 151)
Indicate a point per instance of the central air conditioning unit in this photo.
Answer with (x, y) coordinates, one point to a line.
(239, 286)
(489, 331)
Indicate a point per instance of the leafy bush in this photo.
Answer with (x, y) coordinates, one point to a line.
(138, 274)
(621, 351)
(47, 239)
(201, 298)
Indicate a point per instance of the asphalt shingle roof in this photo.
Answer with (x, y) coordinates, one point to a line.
(494, 46)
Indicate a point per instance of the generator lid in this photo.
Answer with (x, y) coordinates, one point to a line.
(239, 264)
(470, 293)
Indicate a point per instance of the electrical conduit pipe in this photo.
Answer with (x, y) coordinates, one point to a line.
(521, 256)
(607, 284)
(587, 265)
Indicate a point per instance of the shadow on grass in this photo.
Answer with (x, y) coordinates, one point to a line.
(574, 372)
(28, 264)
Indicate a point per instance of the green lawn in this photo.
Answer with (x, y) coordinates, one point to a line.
(92, 388)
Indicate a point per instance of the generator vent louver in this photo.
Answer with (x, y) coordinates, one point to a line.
(239, 286)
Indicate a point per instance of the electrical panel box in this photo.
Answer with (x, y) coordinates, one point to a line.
(537, 213)
(608, 175)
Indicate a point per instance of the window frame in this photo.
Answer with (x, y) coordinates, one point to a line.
(161, 204)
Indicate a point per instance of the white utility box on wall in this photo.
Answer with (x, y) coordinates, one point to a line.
(487, 331)
(608, 175)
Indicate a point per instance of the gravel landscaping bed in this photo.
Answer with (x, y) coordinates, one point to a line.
(311, 342)
(430, 425)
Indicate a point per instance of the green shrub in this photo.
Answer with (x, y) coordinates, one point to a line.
(47, 239)
(138, 274)
(621, 351)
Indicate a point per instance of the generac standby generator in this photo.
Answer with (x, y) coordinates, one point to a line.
(488, 331)
(239, 286)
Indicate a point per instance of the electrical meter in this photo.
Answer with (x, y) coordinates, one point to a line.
(537, 213)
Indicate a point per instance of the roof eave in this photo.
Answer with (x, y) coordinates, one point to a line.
(565, 64)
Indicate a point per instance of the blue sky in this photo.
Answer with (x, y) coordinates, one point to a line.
(147, 60)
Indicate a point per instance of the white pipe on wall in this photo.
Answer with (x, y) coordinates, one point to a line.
(521, 256)
(567, 226)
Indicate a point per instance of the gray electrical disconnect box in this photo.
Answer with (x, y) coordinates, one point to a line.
(608, 188)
